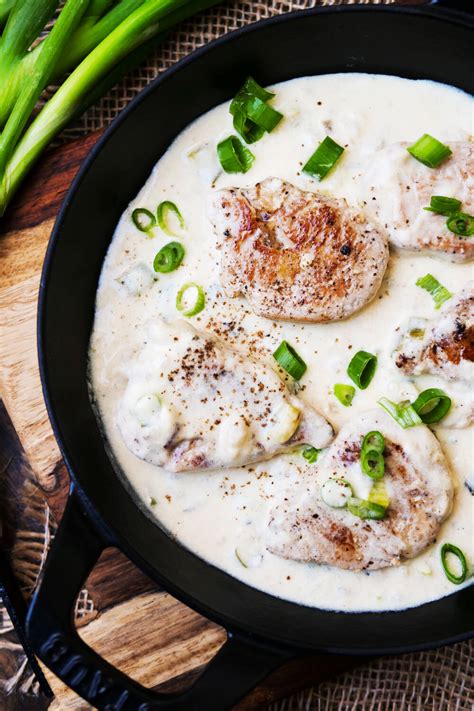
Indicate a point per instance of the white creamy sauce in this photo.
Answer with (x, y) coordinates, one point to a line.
(222, 515)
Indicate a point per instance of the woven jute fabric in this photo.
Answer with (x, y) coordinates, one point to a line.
(438, 680)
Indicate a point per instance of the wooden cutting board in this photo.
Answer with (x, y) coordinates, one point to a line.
(125, 617)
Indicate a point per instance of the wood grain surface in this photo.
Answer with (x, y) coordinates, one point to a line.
(143, 630)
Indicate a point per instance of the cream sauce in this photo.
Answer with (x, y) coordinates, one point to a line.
(222, 515)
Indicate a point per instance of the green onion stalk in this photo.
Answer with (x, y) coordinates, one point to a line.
(99, 40)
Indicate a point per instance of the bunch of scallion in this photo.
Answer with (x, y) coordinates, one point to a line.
(88, 48)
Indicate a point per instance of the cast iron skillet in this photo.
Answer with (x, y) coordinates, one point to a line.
(263, 630)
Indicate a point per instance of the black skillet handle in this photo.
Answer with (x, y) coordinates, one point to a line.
(237, 668)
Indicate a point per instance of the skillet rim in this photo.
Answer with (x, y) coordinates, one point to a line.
(117, 536)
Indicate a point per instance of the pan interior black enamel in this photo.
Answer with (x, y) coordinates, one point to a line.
(369, 40)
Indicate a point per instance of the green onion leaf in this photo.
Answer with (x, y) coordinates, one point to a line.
(162, 211)
(344, 393)
(432, 405)
(249, 88)
(143, 219)
(234, 157)
(405, 415)
(289, 360)
(252, 116)
(361, 369)
(372, 463)
(439, 293)
(366, 509)
(429, 151)
(336, 493)
(261, 114)
(199, 303)
(443, 205)
(447, 548)
(311, 454)
(378, 494)
(323, 159)
(461, 224)
(249, 130)
(169, 257)
(374, 440)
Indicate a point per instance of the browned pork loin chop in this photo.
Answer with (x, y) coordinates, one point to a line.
(447, 346)
(303, 527)
(397, 187)
(297, 255)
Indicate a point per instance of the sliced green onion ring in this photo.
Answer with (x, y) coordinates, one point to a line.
(260, 113)
(443, 205)
(169, 257)
(432, 405)
(374, 440)
(461, 224)
(439, 293)
(234, 157)
(372, 463)
(447, 548)
(198, 304)
(429, 151)
(336, 493)
(378, 494)
(143, 219)
(162, 211)
(323, 159)
(344, 393)
(366, 509)
(405, 415)
(311, 454)
(250, 132)
(361, 369)
(289, 360)
(249, 88)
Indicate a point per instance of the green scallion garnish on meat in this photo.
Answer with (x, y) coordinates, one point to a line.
(143, 219)
(233, 156)
(378, 494)
(371, 455)
(432, 405)
(443, 205)
(198, 302)
(429, 151)
(288, 359)
(372, 463)
(344, 393)
(446, 550)
(323, 159)
(252, 115)
(362, 368)
(404, 414)
(374, 440)
(163, 212)
(311, 454)
(169, 257)
(439, 293)
(366, 509)
(336, 492)
(462, 224)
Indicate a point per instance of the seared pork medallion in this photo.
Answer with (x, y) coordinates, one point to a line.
(443, 346)
(297, 255)
(194, 403)
(417, 490)
(396, 188)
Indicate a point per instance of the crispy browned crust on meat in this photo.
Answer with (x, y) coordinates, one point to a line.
(449, 343)
(297, 255)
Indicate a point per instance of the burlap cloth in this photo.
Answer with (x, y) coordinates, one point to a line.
(443, 679)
